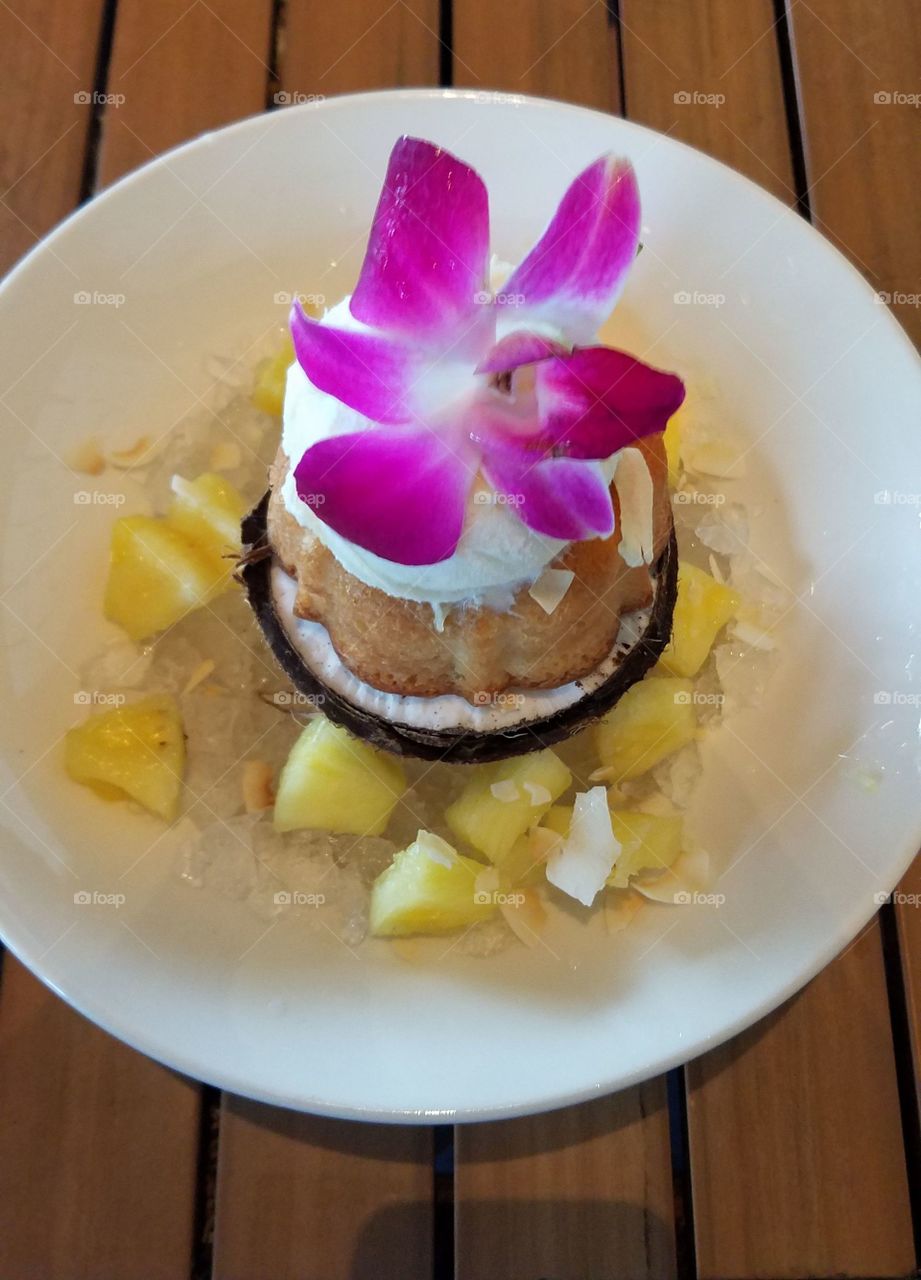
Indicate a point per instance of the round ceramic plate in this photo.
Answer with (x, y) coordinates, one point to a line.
(809, 802)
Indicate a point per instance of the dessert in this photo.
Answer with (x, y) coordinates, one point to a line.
(467, 546)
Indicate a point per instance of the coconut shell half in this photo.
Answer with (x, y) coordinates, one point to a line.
(463, 746)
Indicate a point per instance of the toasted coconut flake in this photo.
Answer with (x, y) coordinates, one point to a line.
(226, 456)
(258, 791)
(605, 774)
(200, 673)
(412, 950)
(138, 454)
(506, 790)
(676, 886)
(620, 906)
(635, 497)
(538, 794)
(435, 848)
(87, 458)
(583, 863)
(526, 917)
(487, 881)
(550, 588)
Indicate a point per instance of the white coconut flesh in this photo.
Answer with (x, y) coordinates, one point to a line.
(511, 709)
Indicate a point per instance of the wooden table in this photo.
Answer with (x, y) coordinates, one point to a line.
(792, 1151)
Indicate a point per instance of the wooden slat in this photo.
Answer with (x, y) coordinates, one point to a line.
(313, 1199)
(98, 1148)
(558, 48)
(358, 44)
(798, 1163)
(47, 56)
(181, 69)
(581, 1192)
(862, 155)
(721, 55)
(793, 1174)
(908, 917)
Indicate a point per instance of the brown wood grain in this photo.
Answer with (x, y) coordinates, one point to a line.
(908, 918)
(47, 60)
(861, 141)
(581, 1192)
(182, 67)
(353, 45)
(558, 48)
(708, 72)
(98, 1148)
(797, 1155)
(312, 1199)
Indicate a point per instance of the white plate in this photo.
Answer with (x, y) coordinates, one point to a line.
(816, 376)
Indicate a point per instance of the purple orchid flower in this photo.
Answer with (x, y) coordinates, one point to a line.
(459, 383)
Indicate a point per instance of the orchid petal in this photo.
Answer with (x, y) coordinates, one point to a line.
(561, 497)
(400, 494)
(424, 272)
(518, 348)
(597, 401)
(575, 273)
(369, 372)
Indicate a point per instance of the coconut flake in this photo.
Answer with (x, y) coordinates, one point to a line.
(435, 848)
(87, 458)
(538, 793)
(688, 875)
(620, 906)
(506, 791)
(550, 588)
(581, 866)
(258, 792)
(526, 916)
(635, 497)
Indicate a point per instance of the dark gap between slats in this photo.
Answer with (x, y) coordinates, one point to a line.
(97, 106)
(446, 43)
(612, 8)
(792, 106)
(904, 1064)
(679, 1141)
(276, 42)
(209, 1135)
(443, 1202)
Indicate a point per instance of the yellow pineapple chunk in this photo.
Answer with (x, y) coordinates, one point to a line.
(334, 782)
(136, 751)
(702, 609)
(428, 888)
(652, 720)
(502, 800)
(208, 511)
(269, 391)
(649, 842)
(156, 575)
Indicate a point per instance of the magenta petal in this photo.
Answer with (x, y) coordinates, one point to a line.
(518, 348)
(424, 272)
(400, 494)
(597, 401)
(561, 497)
(574, 274)
(369, 372)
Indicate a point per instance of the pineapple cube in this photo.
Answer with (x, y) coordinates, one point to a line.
(557, 819)
(208, 511)
(269, 391)
(702, 609)
(156, 575)
(501, 801)
(651, 721)
(334, 782)
(428, 888)
(648, 841)
(136, 751)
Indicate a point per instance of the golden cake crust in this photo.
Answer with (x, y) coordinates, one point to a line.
(393, 645)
